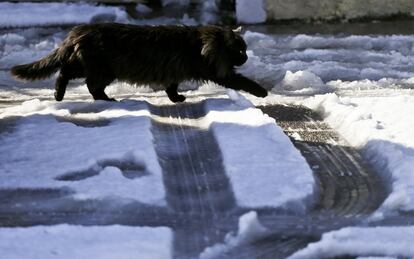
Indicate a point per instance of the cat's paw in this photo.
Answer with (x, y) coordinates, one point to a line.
(177, 98)
(58, 97)
(260, 92)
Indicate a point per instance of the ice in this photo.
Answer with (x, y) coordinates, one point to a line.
(17, 14)
(249, 230)
(66, 241)
(250, 11)
(359, 241)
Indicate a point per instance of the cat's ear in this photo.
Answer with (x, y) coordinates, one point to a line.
(238, 30)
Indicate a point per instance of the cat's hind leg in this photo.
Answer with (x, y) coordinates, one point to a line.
(96, 87)
(67, 72)
(173, 94)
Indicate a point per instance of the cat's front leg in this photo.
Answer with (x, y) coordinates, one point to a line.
(173, 94)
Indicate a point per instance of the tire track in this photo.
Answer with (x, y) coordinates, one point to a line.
(348, 189)
(347, 185)
(197, 187)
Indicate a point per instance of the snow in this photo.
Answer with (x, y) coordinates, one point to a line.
(302, 81)
(382, 127)
(250, 11)
(281, 176)
(362, 85)
(59, 147)
(264, 167)
(34, 14)
(249, 229)
(66, 241)
(354, 241)
(293, 65)
(346, 58)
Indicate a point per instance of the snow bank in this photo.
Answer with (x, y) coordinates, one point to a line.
(35, 14)
(82, 138)
(338, 9)
(350, 58)
(65, 241)
(249, 230)
(382, 127)
(264, 167)
(250, 11)
(356, 241)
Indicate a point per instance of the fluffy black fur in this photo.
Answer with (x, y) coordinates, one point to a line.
(164, 55)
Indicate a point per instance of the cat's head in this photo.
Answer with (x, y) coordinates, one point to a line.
(236, 47)
(223, 49)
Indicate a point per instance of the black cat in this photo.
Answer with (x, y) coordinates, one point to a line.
(164, 55)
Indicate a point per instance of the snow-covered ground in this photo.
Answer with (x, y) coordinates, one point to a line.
(382, 128)
(61, 146)
(358, 241)
(362, 85)
(47, 136)
(67, 241)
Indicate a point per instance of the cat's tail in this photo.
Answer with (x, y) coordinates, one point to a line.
(39, 69)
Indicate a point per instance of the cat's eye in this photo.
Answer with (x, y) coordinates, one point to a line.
(241, 52)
